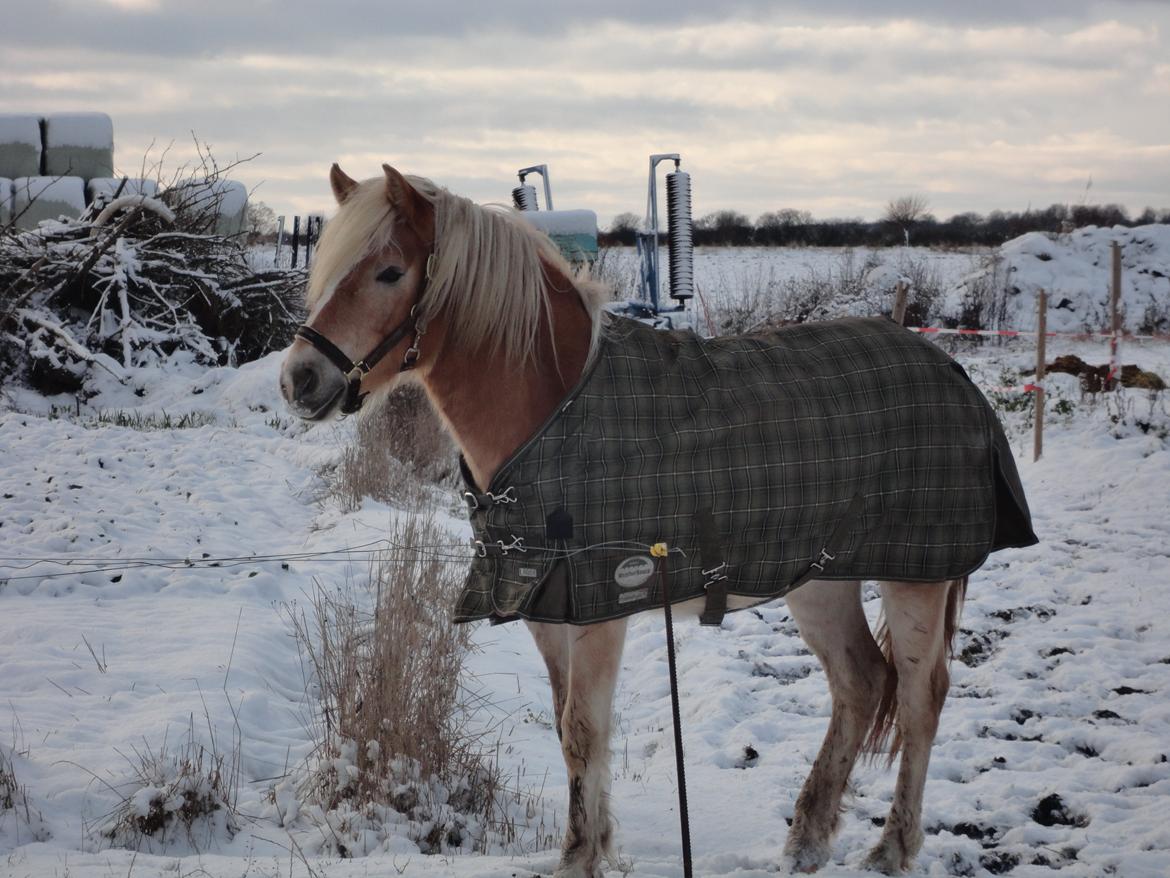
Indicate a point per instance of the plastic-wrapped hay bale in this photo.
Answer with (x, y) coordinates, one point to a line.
(224, 203)
(5, 201)
(20, 145)
(47, 198)
(79, 144)
(573, 231)
(103, 188)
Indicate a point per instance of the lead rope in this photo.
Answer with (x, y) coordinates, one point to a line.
(659, 551)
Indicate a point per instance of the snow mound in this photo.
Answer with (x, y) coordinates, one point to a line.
(80, 144)
(47, 198)
(1076, 272)
(20, 145)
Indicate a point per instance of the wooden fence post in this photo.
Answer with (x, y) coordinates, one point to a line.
(296, 239)
(1112, 381)
(901, 292)
(1041, 336)
(279, 239)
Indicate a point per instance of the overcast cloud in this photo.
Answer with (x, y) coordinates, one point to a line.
(834, 106)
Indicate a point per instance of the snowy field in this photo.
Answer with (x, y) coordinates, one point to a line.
(156, 613)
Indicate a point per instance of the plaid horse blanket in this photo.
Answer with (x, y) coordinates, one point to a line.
(851, 449)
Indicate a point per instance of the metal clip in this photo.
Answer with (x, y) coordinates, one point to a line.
(472, 501)
(508, 495)
(823, 559)
(480, 548)
(717, 569)
(517, 544)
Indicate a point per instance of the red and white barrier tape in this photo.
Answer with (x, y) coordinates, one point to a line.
(1022, 388)
(1013, 333)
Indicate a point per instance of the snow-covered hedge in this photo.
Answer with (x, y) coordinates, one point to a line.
(79, 144)
(20, 145)
(47, 198)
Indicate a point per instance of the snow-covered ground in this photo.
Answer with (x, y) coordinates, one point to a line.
(1062, 689)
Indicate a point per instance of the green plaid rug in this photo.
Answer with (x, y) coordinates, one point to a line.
(851, 449)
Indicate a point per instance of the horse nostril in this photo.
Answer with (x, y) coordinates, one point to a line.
(304, 380)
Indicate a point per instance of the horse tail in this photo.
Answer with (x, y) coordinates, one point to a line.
(886, 716)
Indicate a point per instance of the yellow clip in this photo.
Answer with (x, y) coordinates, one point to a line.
(658, 550)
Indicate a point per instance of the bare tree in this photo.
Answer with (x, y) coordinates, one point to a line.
(905, 211)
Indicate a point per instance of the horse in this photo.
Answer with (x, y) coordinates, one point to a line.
(481, 310)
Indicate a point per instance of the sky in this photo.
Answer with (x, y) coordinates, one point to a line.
(831, 106)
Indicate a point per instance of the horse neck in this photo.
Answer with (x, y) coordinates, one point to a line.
(492, 406)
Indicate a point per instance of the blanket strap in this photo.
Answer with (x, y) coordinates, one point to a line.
(714, 567)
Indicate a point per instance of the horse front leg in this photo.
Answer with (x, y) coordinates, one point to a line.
(594, 660)
(553, 643)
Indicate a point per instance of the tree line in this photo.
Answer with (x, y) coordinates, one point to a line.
(906, 220)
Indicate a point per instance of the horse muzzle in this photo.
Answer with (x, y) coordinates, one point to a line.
(311, 385)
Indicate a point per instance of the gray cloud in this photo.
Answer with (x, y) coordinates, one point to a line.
(828, 106)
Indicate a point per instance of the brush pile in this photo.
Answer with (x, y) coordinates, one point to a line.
(134, 287)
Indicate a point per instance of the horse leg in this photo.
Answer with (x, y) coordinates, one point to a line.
(594, 660)
(553, 643)
(919, 619)
(832, 623)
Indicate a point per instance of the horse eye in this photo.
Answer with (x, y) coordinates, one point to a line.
(390, 275)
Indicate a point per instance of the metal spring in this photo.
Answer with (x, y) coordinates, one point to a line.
(524, 197)
(680, 237)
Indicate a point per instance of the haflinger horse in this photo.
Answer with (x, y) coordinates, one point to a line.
(413, 283)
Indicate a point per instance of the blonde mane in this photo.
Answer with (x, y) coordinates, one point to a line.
(489, 274)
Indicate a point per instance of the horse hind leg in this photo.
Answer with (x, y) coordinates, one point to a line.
(920, 620)
(833, 624)
(594, 661)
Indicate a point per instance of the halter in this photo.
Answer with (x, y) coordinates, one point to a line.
(354, 372)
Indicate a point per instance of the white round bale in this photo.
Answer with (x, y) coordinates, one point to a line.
(79, 144)
(226, 200)
(47, 198)
(105, 187)
(5, 201)
(20, 145)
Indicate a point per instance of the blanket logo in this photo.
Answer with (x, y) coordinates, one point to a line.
(633, 571)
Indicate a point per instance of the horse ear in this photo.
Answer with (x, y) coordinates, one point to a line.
(343, 185)
(402, 195)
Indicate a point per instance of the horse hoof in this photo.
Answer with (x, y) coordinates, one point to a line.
(806, 858)
(885, 859)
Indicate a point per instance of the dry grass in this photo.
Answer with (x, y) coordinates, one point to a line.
(399, 449)
(392, 732)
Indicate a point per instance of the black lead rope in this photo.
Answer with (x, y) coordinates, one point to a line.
(684, 817)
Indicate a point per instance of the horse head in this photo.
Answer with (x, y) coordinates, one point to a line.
(364, 326)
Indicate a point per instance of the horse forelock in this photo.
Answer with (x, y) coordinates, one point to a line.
(490, 272)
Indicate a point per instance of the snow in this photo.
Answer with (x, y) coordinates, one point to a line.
(1061, 689)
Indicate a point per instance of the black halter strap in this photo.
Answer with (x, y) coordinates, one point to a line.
(354, 372)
